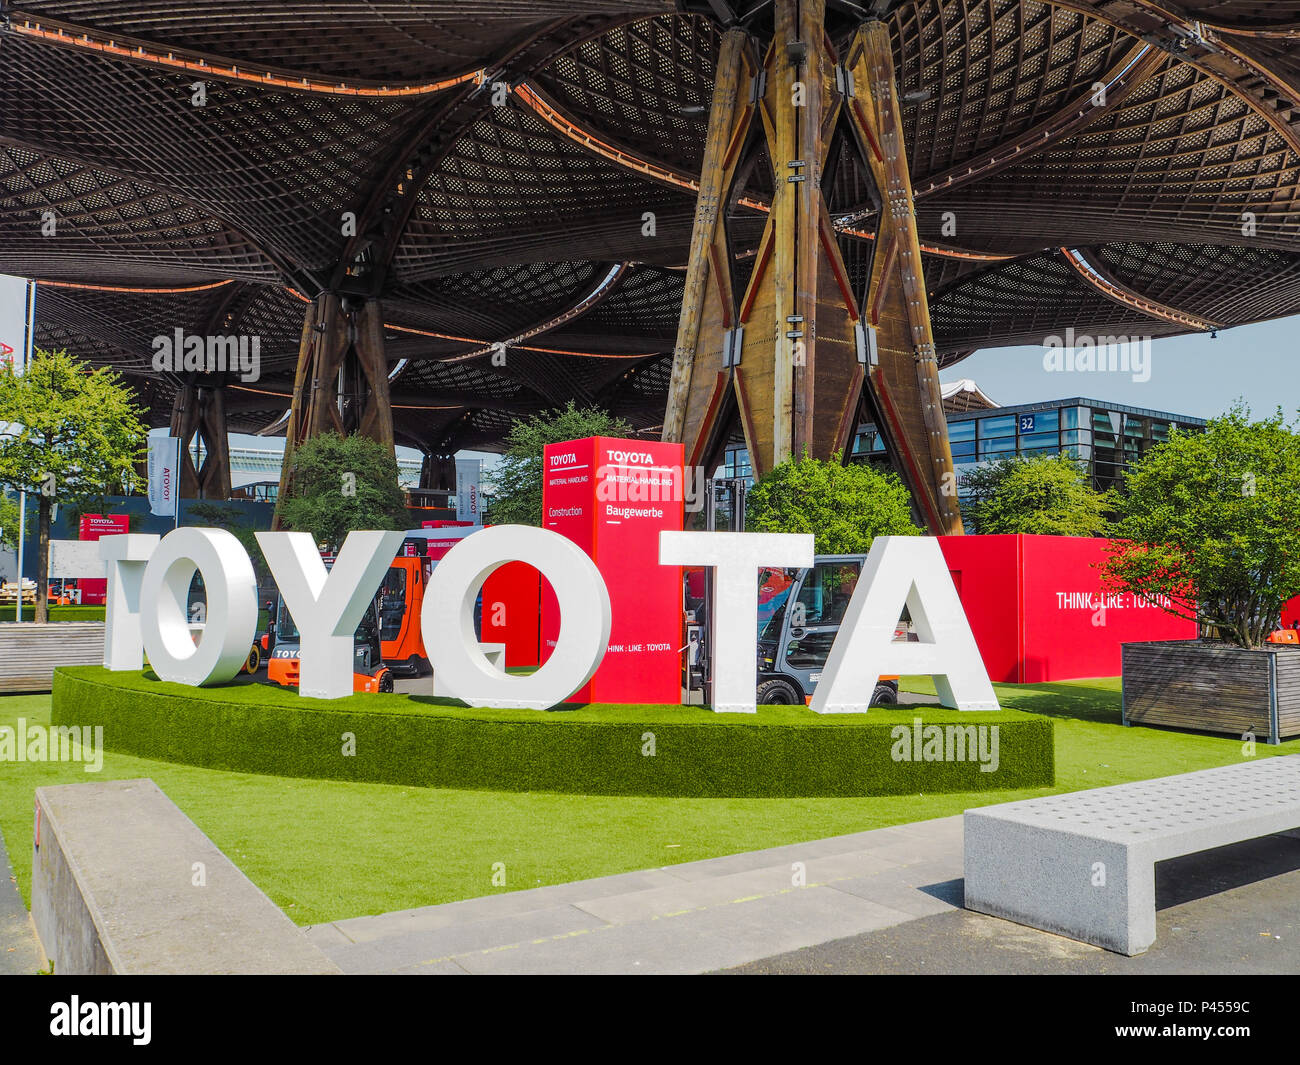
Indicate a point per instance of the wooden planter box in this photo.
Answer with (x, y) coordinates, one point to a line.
(1207, 686)
(29, 652)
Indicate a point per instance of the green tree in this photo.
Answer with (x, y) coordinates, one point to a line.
(342, 483)
(844, 506)
(1209, 523)
(8, 521)
(1046, 495)
(217, 517)
(518, 476)
(71, 435)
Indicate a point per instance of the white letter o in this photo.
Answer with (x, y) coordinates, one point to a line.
(447, 618)
(231, 618)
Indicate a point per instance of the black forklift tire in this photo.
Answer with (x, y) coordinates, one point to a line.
(386, 681)
(884, 695)
(778, 692)
(254, 661)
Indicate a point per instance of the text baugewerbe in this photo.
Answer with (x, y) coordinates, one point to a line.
(149, 580)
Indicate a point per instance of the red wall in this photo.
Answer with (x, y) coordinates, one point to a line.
(984, 569)
(512, 612)
(511, 608)
(1036, 607)
(612, 498)
(1290, 612)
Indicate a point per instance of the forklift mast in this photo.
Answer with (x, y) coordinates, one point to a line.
(724, 498)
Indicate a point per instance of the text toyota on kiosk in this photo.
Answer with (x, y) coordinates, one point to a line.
(92, 527)
(613, 498)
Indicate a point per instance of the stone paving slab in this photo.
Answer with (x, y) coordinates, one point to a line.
(684, 897)
(420, 948)
(20, 950)
(430, 918)
(689, 918)
(939, 897)
(678, 945)
(1227, 911)
(859, 843)
(442, 968)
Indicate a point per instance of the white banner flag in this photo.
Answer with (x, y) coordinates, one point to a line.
(467, 497)
(13, 321)
(164, 475)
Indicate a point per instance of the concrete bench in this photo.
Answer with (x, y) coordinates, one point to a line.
(1083, 864)
(116, 889)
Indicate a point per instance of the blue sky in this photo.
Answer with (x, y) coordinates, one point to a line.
(1189, 375)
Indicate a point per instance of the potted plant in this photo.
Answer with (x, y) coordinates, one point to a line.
(1209, 528)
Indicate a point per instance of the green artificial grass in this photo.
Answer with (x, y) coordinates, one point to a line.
(781, 751)
(326, 850)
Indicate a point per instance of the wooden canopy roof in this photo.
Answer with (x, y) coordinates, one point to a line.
(502, 159)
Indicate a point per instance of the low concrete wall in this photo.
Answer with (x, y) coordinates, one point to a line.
(29, 652)
(124, 883)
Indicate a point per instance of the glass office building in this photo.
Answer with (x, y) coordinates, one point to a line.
(1106, 437)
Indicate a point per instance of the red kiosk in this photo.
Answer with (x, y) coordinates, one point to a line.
(92, 527)
(612, 498)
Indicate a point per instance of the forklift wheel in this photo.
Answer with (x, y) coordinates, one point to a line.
(386, 681)
(884, 695)
(778, 692)
(254, 659)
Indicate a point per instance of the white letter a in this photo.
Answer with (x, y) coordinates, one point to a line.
(904, 570)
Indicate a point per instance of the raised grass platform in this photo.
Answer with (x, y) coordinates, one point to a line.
(780, 752)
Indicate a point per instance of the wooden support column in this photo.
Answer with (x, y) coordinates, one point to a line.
(786, 96)
(374, 409)
(341, 381)
(708, 304)
(792, 354)
(781, 355)
(904, 381)
(438, 471)
(199, 415)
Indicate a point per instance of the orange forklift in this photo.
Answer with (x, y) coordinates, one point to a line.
(283, 646)
(401, 597)
(388, 640)
(369, 674)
